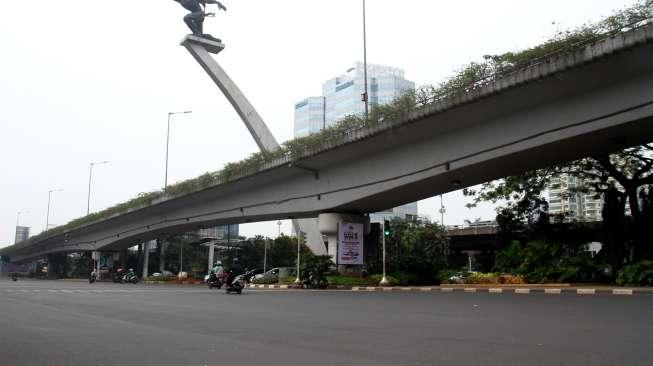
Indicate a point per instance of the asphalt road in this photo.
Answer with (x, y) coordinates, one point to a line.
(74, 323)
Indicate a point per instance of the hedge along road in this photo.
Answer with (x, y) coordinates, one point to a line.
(64, 323)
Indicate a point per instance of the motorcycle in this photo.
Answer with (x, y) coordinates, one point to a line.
(14, 277)
(315, 282)
(214, 281)
(237, 284)
(129, 277)
(92, 277)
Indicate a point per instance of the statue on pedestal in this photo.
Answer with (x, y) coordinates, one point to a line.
(195, 19)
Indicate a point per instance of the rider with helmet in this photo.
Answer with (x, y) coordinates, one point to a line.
(235, 270)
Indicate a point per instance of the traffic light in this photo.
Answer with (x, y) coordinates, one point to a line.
(302, 237)
(386, 228)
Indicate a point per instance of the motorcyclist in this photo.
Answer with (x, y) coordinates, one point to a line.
(131, 274)
(235, 270)
(218, 269)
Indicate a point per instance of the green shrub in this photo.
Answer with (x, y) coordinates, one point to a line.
(640, 274)
(350, 281)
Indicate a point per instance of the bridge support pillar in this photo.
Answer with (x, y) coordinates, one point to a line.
(146, 259)
(328, 226)
(55, 265)
(161, 244)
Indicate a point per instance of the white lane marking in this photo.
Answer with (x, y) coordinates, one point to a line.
(586, 291)
(522, 291)
(426, 289)
(470, 289)
(553, 291)
(447, 289)
(495, 290)
(622, 291)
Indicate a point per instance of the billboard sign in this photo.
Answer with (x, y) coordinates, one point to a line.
(350, 243)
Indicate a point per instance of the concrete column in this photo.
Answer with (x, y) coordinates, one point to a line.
(139, 263)
(146, 259)
(211, 255)
(162, 255)
(328, 226)
(55, 265)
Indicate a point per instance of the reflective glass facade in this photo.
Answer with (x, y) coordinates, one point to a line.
(341, 97)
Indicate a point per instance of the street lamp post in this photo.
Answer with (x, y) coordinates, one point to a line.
(265, 256)
(299, 236)
(47, 215)
(165, 186)
(90, 175)
(18, 216)
(365, 93)
(279, 225)
(384, 279)
(442, 211)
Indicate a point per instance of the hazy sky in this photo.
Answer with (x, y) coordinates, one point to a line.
(84, 81)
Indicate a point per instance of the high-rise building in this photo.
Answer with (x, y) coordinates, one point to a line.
(341, 97)
(578, 206)
(222, 232)
(22, 234)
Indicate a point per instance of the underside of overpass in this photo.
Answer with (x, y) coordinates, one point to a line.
(595, 100)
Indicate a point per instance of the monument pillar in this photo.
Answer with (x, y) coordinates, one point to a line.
(201, 48)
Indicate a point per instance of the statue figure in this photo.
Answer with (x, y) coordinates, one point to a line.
(195, 20)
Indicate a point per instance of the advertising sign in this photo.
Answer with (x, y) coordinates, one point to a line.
(350, 243)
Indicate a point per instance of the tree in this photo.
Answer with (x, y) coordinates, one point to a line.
(417, 248)
(620, 178)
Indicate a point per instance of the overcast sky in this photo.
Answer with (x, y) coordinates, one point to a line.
(84, 81)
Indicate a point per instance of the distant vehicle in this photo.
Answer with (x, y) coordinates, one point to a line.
(269, 276)
(249, 275)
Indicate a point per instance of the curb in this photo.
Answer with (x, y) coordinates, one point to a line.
(549, 290)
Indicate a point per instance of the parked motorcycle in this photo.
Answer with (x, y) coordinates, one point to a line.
(92, 277)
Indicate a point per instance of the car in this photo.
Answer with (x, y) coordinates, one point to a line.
(271, 276)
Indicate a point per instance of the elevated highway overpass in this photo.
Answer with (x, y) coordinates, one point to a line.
(593, 100)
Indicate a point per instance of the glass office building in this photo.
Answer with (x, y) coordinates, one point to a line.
(341, 97)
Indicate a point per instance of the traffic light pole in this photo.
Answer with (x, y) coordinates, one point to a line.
(384, 280)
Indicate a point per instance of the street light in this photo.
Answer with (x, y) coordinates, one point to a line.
(47, 216)
(18, 216)
(168, 144)
(384, 279)
(90, 174)
(279, 224)
(365, 96)
(442, 211)
(265, 256)
(299, 240)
